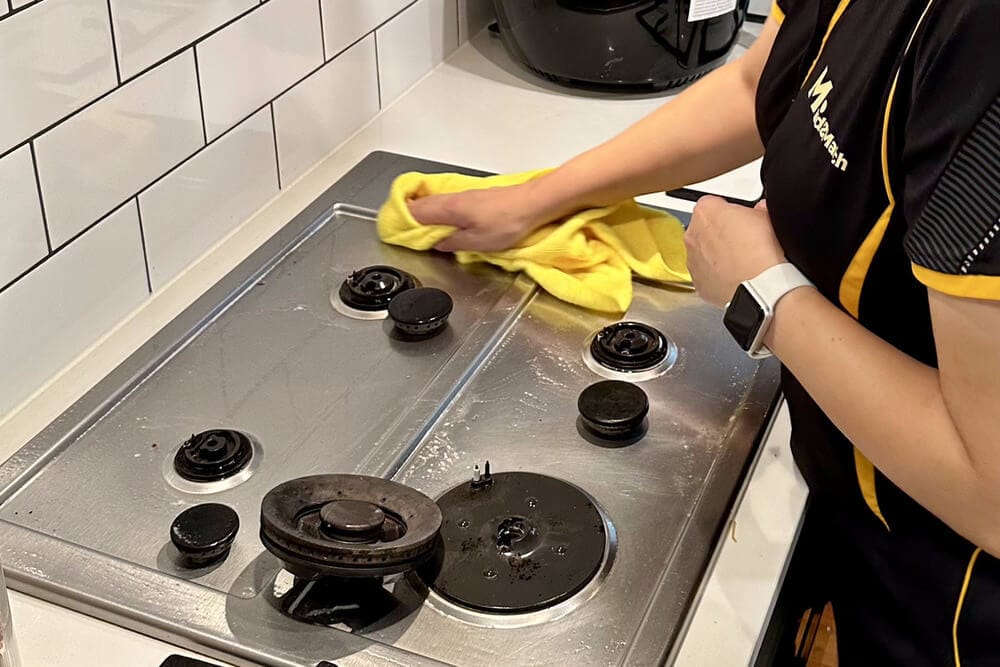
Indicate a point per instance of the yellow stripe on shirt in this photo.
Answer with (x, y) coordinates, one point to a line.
(970, 287)
(777, 13)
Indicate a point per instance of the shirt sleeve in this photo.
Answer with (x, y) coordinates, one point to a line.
(952, 153)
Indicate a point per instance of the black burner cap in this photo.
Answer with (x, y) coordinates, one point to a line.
(613, 409)
(213, 455)
(203, 534)
(374, 287)
(421, 311)
(524, 543)
(352, 520)
(629, 347)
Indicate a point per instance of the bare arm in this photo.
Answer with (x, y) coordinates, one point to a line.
(705, 131)
(931, 431)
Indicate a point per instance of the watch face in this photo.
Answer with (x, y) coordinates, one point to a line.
(744, 316)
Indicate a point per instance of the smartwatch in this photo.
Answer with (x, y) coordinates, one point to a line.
(751, 310)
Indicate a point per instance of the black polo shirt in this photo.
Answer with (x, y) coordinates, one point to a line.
(881, 126)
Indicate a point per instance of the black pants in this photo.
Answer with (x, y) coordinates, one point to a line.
(894, 592)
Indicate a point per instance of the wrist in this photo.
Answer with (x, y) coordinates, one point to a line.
(784, 312)
(751, 311)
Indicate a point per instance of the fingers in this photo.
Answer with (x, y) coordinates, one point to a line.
(448, 209)
(448, 245)
(424, 210)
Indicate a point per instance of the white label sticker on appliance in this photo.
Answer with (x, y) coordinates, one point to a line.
(707, 9)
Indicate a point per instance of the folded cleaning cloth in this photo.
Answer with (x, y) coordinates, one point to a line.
(587, 259)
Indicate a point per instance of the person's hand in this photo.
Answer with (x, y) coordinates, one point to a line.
(487, 220)
(727, 244)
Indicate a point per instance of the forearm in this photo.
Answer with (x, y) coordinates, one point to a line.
(707, 130)
(891, 407)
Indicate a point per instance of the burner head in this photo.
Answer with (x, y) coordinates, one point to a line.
(348, 526)
(613, 410)
(523, 543)
(203, 534)
(422, 311)
(629, 347)
(213, 455)
(374, 287)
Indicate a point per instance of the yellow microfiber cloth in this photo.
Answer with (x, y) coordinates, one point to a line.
(587, 259)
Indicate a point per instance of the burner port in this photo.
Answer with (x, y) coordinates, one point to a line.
(213, 455)
(629, 346)
(374, 287)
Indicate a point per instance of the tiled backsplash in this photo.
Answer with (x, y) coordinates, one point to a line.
(135, 134)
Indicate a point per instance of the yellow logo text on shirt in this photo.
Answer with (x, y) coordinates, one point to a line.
(818, 93)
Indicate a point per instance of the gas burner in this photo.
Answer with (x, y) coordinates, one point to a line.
(367, 292)
(630, 351)
(212, 456)
(613, 413)
(348, 526)
(522, 542)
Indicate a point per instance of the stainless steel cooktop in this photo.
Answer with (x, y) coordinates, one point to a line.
(314, 387)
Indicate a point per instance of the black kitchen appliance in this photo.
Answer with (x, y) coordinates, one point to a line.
(616, 44)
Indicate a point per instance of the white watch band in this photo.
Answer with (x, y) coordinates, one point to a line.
(767, 288)
(776, 282)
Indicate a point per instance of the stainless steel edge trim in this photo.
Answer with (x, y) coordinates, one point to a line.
(128, 595)
(668, 608)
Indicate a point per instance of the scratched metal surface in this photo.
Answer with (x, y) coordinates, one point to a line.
(86, 507)
(319, 391)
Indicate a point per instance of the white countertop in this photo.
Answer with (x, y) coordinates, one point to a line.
(480, 110)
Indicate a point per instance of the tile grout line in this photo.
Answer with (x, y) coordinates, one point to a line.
(41, 202)
(322, 32)
(201, 102)
(134, 77)
(378, 72)
(114, 44)
(274, 133)
(142, 239)
(14, 11)
(156, 180)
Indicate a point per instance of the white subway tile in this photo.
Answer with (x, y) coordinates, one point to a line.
(413, 43)
(347, 21)
(54, 57)
(21, 226)
(473, 16)
(318, 114)
(248, 63)
(190, 209)
(106, 153)
(150, 30)
(20, 3)
(55, 312)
